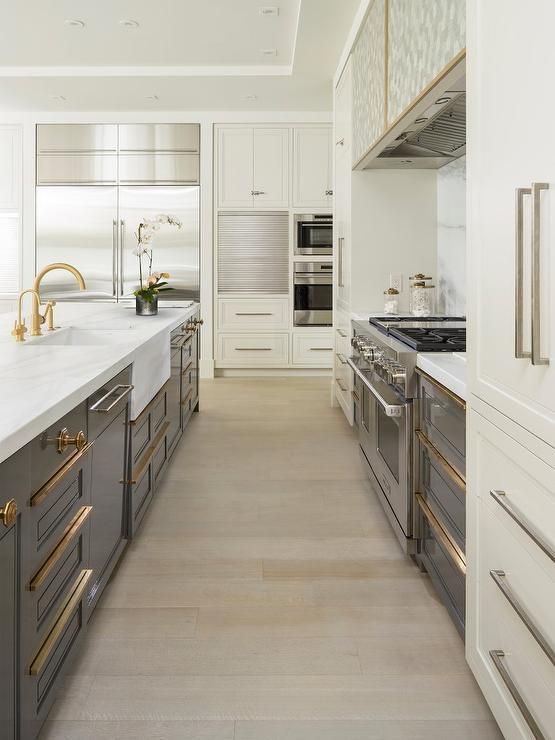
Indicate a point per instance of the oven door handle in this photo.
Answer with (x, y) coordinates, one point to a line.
(390, 409)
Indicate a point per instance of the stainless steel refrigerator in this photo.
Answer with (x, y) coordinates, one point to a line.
(95, 183)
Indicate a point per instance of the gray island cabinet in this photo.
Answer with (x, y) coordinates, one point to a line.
(69, 501)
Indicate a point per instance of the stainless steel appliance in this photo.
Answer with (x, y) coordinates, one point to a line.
(313, 289)
(313, 234)
(95, 183)
(385, 365)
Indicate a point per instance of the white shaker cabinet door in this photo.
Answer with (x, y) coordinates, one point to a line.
(312, 168)
(235, 168)
(10, 172)
(511, 178)
(271, 168)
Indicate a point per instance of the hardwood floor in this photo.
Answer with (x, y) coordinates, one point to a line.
(266, 597)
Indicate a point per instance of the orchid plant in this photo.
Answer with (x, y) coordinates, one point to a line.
(155, 282)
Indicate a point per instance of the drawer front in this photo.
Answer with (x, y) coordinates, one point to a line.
(82, 137)
(443, 490)
(141, 496)
(164, 169)
(107, 402)
(159, 137)
(342, 336)
(159, 459)
(516, 633)
(253, 350)
(443, 563)
(44, 448)
(77, 169)
(140, 435)
(55, 506)
(313, 349)
(265, 314)
(516, 485)
(443, 421)
(48, 665)
(159, 410)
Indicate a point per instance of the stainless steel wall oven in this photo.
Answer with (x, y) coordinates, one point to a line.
(313, 286)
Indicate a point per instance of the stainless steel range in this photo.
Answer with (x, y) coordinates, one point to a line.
(384, 360)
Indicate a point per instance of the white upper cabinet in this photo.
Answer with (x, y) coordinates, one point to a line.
(253, 167)
(313, 167)
(271, 168)
(342, 189)
(369, 81)
(512, 212)
(10, 169)
(423, 37)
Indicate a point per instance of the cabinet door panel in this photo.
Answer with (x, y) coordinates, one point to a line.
(8, 619)
(423, 37)
(271, 168)
(312, 168)
(10, 172)
(235, 168)
(519, 389)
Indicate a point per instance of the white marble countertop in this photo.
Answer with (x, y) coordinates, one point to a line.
(40, 382)
(448, 368)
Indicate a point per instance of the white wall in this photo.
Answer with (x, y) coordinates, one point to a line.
(451, 237)
(394, 230)
(207, 120)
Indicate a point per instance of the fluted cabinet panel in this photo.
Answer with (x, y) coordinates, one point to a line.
(424, 35)
(369, 81)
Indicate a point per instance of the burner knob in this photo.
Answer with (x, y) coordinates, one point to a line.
(399, 375)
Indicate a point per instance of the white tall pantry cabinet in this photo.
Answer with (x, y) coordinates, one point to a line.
(510, 637)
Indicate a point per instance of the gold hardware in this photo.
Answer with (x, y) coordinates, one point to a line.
(198, 322)
(8, 513)
(432, 449)
(451, 547)
(48, 487)
(49, 312)
(19, 328)
(69, 534)
(64, 440)
(453, 396)
(187, 398)
(147, 456)
(186, 369)
(61, 621)
(190, 326)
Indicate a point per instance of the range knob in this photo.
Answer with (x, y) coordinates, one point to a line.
(399, 375)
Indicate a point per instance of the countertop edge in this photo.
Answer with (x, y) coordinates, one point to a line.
(448, 369)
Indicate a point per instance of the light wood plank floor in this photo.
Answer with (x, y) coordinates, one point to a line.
(266, 597)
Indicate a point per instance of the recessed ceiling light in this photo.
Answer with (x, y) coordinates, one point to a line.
(128, 23)
(74, 23)
(268, 52)
(60, 98)
(269, 10)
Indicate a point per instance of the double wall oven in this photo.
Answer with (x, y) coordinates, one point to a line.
(313, 293)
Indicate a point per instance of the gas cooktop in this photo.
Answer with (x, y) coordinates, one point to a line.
(426, 333)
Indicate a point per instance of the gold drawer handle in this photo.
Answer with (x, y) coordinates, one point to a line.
(456, 555)
(187, 397)
(69, 534)
(147, 456)
(8, 513)
(45, 491)
(64, 440)
(445, 465)
(61, 622)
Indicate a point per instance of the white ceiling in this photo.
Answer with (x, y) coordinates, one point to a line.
(190, 54)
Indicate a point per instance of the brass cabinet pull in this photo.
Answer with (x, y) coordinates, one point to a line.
(456, 556)
(62, 619)
(453, 396)
(497, 658)
(147, 457)
(436, 454)
(65, 440)
(69, 534)
(48, 487)
(124, 391)
(499, 578)
(187, 368)
(198, 322)
(500, 497)
(187, 397)
(8, 513)
(355, 396)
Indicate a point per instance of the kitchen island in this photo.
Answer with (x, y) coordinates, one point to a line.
(92, 412)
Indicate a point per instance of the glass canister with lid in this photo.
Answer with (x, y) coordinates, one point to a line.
(391, 301)
(422, 295)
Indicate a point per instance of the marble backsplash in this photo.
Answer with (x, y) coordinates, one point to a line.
(451, 238)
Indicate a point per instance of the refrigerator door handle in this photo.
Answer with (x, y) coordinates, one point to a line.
(121, 247)
(114, 256)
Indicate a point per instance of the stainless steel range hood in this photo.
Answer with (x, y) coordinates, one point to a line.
(436, 137)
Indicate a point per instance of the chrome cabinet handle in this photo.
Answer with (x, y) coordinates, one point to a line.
(114, 256)
(520, 193)
(321, 349)
(125, 391)
(537, 358)
(329, 192)
(497, 658)
(253, 349)
(500, 580)
(342, 333)
(8, 513)
(340, 242)
(258, 192)
(340, 142)
(252, 313)
(341, 386)
(121, 248)
(342, 359)
(500, 497)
